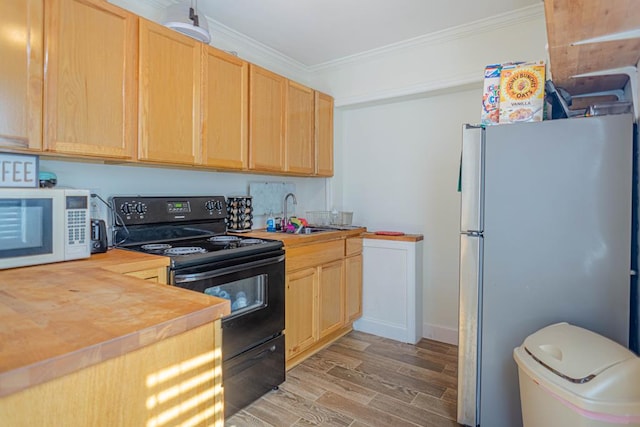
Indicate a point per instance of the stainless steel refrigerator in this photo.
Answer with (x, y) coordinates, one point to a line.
(545, 237)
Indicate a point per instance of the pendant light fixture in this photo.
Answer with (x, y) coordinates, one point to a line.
(186, 20)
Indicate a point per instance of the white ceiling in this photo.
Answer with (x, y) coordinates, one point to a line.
(314, 32)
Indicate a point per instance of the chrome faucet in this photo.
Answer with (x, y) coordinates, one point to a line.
(284, 210)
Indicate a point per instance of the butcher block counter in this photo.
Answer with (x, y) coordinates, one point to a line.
(88, 342)
(291, 239)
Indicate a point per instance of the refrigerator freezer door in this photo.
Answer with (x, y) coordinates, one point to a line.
(471, 180)
(468, 350)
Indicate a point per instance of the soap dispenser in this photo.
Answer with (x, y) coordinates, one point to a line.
(271, 223)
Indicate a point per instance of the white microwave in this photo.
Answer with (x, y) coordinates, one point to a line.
(42, 225)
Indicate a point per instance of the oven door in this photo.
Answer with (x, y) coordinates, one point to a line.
(255, 287)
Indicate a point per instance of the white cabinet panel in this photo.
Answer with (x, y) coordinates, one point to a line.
(392, 290)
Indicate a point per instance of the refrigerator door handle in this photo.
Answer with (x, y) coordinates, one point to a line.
(469, 345)
(473, 233)
(472, 180)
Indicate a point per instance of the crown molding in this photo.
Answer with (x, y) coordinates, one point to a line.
(161, 4)
(258, 49)
(255, 46)
(507, 19)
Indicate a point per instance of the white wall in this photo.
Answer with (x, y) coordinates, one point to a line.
(436, 61)
(397, 138)
(401, 163)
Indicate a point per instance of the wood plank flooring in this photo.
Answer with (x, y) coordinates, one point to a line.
(363, 380)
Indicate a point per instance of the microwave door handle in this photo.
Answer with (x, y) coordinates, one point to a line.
(186, 278)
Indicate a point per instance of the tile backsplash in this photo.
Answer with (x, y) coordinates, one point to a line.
(268, 197)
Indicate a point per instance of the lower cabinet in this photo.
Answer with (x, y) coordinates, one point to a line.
(396, 260)
(154, 270)
(301, 311)
(145, 387)
(353, 274)
(323, 296)
(330, 297)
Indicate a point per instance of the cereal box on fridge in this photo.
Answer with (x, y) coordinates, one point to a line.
(522, 92)
(491, 95)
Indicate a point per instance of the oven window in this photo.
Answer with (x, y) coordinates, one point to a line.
(25, 227)
(245, 294)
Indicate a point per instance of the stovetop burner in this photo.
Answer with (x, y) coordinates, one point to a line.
(153, 247)
(187, 250)
(223, 240)
(250, 241)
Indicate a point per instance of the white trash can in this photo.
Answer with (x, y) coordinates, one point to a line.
(570, 376)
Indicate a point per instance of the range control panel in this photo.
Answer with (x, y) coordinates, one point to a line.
(138, 210)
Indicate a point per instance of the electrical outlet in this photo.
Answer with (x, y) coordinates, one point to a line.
(97, 208)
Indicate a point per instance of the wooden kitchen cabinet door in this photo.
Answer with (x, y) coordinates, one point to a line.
(169, 121)
(324, 134)
(330, 297)
(299, 129)
(300, 311)
(225, 110)
(22, 69)
(90, 83)
(267, 104)
(353, 275)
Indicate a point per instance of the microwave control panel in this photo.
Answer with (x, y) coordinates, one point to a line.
(77, 223)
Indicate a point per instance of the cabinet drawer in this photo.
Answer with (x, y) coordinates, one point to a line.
(314, 255)
(353, 246)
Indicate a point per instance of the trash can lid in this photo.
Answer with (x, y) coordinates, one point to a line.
(574, 353)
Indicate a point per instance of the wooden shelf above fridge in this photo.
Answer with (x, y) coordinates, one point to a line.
(594, 37)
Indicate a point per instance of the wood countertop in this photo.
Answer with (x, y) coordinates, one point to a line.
(59, 318)
(291, 240)
(402, 238)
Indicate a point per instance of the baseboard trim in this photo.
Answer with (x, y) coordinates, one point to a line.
(440, 333)
(386, 330)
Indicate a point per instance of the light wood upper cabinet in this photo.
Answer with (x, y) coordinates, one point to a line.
(21, 74)
(324, 134)
(117, 86)
(299, 127)
(90, 86)
(266, 120)
(225, 110)
(169, 96)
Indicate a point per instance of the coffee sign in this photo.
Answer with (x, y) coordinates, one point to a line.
(18, 170)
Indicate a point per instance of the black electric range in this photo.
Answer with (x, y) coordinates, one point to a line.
(249, 272)
(190, 230)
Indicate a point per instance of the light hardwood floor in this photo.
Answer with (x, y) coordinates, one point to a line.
(363, 380)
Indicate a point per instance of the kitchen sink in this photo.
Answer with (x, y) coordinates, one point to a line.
(312, 230)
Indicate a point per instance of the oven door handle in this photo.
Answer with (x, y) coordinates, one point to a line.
(186, 278)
